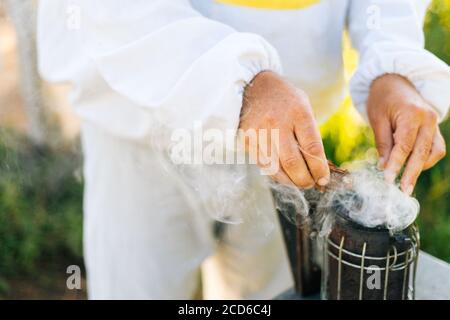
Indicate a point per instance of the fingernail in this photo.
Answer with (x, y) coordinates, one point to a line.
(389, 176)
(322, 182)
(409, 190)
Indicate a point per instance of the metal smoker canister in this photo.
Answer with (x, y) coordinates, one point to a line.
(363, 263)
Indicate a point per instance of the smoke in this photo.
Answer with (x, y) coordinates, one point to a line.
(222, 190)
(238, 193)
(292, 202)
(362, 195)
(375, 203)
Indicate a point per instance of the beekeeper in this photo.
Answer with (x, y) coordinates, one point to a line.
(140, 68)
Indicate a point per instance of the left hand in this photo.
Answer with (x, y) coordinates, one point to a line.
(406, 130)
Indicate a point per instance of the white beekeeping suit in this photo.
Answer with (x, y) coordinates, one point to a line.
(140, 68)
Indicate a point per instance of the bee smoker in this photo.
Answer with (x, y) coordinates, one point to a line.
(302, 250)
(361, 263)
(353, 262)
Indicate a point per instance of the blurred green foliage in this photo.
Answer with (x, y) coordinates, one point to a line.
(347, 138)
(433, 190)
(40, 208)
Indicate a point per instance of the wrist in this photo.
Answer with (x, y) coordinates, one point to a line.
(388, 89)
(260, 83)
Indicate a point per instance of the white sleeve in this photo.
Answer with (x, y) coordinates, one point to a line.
(167, 57)
(388, 35)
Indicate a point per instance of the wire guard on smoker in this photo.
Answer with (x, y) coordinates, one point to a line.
(353, 256)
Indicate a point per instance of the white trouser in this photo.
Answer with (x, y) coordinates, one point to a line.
(144, 240)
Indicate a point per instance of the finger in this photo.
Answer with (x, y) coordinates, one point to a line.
(438, 150)
(311, 147)
(293, 163)
(384, 140)
(283, 178)
(404, 141)
(269, 154)
(417, 159)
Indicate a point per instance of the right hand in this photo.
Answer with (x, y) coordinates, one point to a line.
(270, 102)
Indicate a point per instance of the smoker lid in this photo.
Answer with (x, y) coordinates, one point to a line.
(342, 213)
(342, 218)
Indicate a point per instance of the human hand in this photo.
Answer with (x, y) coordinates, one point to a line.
(270, 102)
(406, 130)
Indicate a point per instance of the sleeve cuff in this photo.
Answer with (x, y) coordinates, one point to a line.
(209, 90)
(429, 74)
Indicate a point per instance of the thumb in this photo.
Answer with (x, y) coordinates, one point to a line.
(384, 140)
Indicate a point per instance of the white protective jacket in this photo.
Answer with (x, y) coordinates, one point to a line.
(181, 61)
(142, 65)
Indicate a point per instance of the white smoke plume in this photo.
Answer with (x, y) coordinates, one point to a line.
(376, 203)
(228, 195)
(234, 194)
(362, 195)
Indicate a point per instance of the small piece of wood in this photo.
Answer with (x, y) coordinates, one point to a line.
(337, 179)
